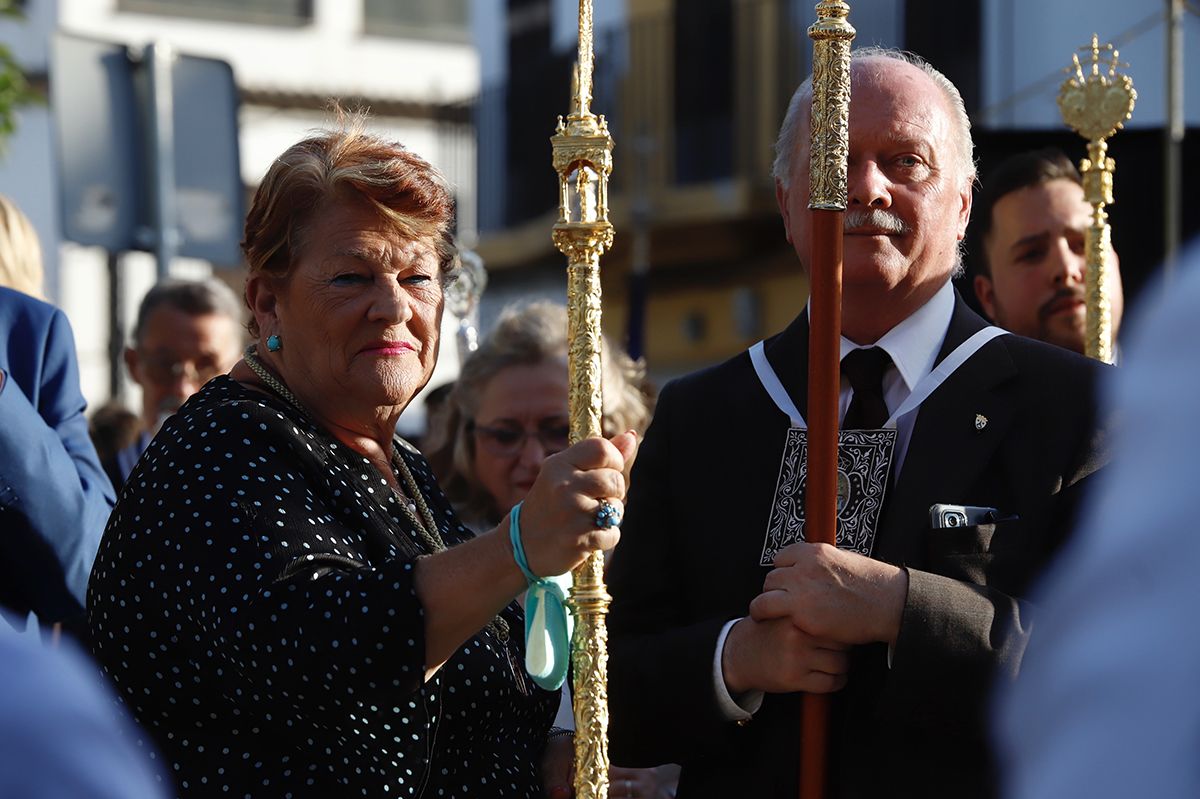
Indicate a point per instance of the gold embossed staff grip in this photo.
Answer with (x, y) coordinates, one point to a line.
(582, 156)
(831, 35)
(1095, 102)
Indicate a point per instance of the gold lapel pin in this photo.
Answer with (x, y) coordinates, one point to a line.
(980, 421)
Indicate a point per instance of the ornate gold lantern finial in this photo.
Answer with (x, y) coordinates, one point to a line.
(582, 156)
(1095, 102)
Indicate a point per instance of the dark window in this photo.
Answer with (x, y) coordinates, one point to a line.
(537, 93)
(703, 90)
(695, 327)
(417, 18)
(266, 12)
(539, 89)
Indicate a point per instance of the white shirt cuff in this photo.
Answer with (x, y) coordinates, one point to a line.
(746, 705)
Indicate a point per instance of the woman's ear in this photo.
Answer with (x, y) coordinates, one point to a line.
(262, 297)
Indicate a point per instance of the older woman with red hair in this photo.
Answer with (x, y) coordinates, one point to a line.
(284, 597)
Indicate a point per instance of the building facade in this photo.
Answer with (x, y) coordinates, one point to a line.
(694, 93)
(413, 64)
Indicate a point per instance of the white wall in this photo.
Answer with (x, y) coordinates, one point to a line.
(489, 26)
(267, 132)
(26, 176)
(1030, 42)
(332, 56)
(329, 56)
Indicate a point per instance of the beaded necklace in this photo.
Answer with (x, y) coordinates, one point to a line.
(425, 525)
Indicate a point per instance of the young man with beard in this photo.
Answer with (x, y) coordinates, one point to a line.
(1032, 217)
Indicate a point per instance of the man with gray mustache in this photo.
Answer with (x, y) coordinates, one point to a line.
(859, 221)
(1031, 263)
(964, 450)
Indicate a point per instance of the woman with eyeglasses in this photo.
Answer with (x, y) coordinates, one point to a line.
(508, 411)
(283, 597)
(507, 415)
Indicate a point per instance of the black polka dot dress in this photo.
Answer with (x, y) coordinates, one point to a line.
(253, 604)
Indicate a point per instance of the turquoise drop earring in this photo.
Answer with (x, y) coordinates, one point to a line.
(274, 343)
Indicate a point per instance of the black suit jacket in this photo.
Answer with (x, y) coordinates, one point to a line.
(688, 562)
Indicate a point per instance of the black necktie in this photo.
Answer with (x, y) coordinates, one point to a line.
(864, 369)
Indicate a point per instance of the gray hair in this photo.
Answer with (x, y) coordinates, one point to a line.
(527, 335)
(193, 297)
(798, 110)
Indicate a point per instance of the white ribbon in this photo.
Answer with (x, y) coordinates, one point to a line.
(932, 381)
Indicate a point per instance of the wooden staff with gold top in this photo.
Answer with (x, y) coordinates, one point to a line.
(829, 150)
(582, 154)
(1096, 104)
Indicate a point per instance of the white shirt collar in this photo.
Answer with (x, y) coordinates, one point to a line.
(914, 343)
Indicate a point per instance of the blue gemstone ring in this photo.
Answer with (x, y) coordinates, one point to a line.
(607, 515)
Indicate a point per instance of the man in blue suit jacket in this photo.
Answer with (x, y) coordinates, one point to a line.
(54, 497)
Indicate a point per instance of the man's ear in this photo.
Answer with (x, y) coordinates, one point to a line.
(964, 211)
(781, 197)
(985, 292)
(263, 298)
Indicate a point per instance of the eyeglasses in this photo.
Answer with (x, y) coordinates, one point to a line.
(507, 440)
(166, 371)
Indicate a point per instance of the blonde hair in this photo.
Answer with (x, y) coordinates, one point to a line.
(20, 251)
(528, 335)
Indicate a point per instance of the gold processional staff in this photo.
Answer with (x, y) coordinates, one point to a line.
(582, 155)
(1096, 103)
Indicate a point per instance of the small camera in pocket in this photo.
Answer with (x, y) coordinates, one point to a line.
(942, 516)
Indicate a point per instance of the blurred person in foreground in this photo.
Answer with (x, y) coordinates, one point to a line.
(54, 497)
(284, 597)
(507, 414)
(59, 736)
(719, 620)
(1030, 226)
(187, 332)
(1106, 705)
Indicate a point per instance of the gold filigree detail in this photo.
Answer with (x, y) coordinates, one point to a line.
(582, 157)
(583, 70)
(585, 397)
(830, 148)
(1096, 102)
(1098, 290)
(589, 655)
